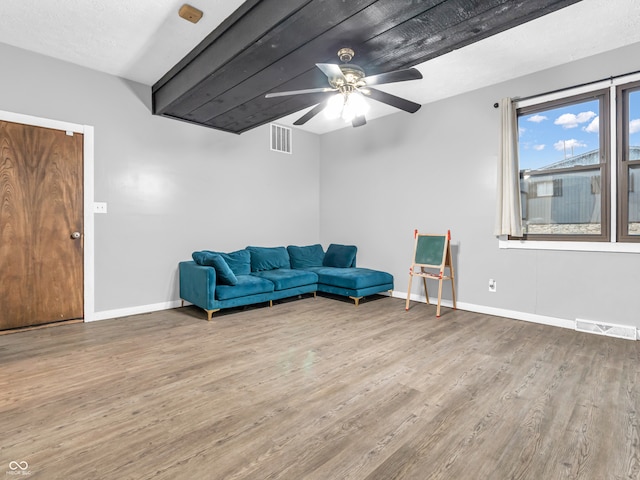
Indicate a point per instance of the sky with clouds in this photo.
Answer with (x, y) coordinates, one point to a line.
(553, 135)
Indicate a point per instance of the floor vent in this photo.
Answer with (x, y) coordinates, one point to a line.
(280, 139)
(608, 329)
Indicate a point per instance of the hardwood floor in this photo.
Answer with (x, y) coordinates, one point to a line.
(319, 389)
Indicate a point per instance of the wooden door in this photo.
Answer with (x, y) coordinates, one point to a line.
(41, 207)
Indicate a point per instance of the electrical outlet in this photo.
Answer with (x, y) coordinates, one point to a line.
(99, 207)
(492, 285)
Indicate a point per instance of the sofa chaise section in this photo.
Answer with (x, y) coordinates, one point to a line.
(352, 282)
(337, 271)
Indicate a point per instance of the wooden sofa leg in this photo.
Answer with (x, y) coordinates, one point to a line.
(210, 314)
(356, 299)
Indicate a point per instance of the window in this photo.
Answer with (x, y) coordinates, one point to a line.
(563, 158)
(579, 155)
(629, 162)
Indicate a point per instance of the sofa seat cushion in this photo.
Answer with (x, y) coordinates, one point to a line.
(353, 278)
(246, 285)
(285, 278)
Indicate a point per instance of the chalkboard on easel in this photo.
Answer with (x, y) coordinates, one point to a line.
(430, 250)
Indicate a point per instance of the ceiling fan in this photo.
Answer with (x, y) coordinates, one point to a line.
(352, 85)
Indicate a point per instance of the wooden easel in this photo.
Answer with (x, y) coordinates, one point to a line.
(432, 251)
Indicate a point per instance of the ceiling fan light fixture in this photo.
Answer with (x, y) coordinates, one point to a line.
(351, 85)
(335, 105)
(354, 106)
(346, 105)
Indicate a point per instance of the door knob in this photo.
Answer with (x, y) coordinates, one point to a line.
(75, 235)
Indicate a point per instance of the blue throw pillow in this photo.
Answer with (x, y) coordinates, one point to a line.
(304, 257)
(239, 262)
(224, 274)
(268, 258)
(341, 256)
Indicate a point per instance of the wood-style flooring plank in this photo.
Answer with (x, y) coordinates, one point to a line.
(319, 389)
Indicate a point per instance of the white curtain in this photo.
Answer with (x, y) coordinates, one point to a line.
(509, 208)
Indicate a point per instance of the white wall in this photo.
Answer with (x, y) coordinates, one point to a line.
(171, 187)
(436, 170)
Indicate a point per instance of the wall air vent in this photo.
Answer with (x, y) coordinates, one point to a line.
(281, 138)
(608, 329)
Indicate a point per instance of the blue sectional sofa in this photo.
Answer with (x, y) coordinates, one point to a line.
(216, 280)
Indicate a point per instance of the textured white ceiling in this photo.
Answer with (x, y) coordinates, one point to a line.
(135, 39)
(142, 39)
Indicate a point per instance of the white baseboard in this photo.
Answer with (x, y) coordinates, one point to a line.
(125, 312)
(498, 312)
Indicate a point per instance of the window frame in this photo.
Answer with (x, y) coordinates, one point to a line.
(622, 148)
(603, 95)
(614, 245)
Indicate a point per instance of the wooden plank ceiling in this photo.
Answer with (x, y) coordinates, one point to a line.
(273, 45)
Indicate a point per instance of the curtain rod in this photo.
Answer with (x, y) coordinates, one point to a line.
(593, 82)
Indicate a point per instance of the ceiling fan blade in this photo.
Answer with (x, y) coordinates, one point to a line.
(311, 113)
(300, 92)
(359, 121)
(331, 70)
(392, 100)
(395, 76)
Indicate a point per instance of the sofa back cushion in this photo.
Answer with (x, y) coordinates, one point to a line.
(224, 274)
(305, 257)
(268, 258)
(342, 256)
